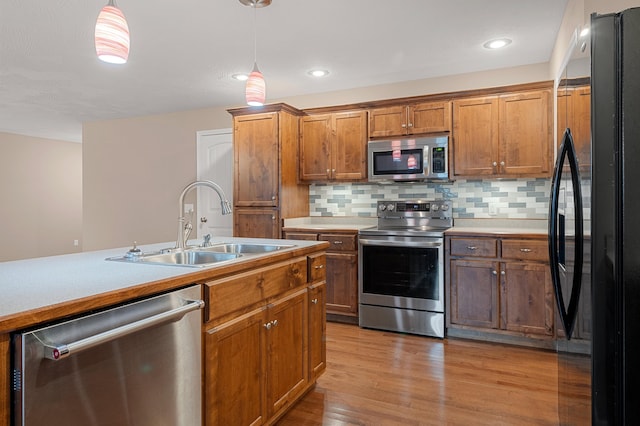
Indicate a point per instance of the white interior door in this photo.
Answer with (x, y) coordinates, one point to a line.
(215, 163)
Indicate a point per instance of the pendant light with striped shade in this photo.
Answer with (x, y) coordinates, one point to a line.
(256, 88)
(112, 35)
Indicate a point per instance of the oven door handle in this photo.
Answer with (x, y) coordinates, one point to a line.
(366, 242)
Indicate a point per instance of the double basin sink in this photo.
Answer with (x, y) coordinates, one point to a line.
(200, 257)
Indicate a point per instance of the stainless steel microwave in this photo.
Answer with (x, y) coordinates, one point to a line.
(425, 158)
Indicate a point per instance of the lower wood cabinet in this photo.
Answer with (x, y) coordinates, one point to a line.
(500, 285)
(341, 273)
(265, 347)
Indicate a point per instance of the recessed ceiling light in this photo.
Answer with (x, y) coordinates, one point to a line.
(497, 43)
(318, 73)
(240, 77)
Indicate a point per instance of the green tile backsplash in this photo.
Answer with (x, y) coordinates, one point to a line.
(510, 199)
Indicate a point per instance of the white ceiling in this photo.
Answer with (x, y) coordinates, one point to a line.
(183, 52)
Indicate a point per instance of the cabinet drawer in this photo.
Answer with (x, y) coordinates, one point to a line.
(340, 242)
(317, 268)
(480, 247)
(526, 250)
(242, 293)
(300, 236)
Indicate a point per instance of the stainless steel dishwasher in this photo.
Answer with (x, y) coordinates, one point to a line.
(137, 364)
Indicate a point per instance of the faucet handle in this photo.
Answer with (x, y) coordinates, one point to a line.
(207, 240)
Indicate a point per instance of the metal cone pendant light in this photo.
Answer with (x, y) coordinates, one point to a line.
(256, 87)
(112, 35)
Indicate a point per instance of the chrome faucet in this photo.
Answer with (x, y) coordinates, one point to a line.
(224, 203)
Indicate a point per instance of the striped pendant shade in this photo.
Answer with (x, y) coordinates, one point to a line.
(112, 35)
(255, 90)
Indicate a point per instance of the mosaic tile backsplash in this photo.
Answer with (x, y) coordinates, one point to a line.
(509, 199)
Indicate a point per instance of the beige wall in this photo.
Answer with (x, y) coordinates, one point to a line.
(135, 169)
(41, 189)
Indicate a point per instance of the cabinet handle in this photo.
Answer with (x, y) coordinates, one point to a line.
(337, 242)
(525, 250)
(472, 248)
(318, 267)
(494, 272)
(314, 301)
(267, 325)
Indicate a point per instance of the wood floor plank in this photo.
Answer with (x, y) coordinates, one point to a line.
(383, 378)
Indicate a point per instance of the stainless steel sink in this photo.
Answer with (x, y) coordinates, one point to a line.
(245, 248)
(189, 257)
(199, 257)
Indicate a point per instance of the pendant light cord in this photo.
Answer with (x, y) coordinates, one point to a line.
(255, 37)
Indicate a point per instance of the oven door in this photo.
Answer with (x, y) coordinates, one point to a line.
(401, 272)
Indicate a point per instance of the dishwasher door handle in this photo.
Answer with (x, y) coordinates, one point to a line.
(59, 352)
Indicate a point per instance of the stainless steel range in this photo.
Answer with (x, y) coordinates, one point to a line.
(401, 267)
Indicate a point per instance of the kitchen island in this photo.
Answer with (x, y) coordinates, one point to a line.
(45, 290)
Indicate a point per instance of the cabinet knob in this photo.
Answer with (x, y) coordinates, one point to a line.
(502, 163)
(274, 322)
(318, 267)
(273, 198)
(494, 272)
(404, 126)
(495, 164)
(410, 124)
(273, 218)
(267, 325)
(314, 301)
(502, 273)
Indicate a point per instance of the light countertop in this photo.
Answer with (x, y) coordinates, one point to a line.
(323, 223)
(499, 226)
(31, 285)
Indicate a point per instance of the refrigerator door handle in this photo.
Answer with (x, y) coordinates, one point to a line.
(567, 313)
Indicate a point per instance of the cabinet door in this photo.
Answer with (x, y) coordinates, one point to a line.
(581, 126)
(255, 140)
(527, 298)
(235, 368)
(474, 293)
(315, 147)
(431, 117)
(287, 361)
(342, 283)
(525, 133)
(317, 330)
(349, 146)
(475, 136)
(390, 121)
(256, 223)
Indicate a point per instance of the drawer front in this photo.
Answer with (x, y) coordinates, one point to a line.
(300, 236)
(317, 264)
(242, 293)
(526, 250)
(480, 247)
(340, 242)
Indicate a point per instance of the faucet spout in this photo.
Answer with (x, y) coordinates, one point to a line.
(224, 203)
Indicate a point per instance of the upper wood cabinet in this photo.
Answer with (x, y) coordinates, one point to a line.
(265, 149)
(574, 110)
(333, 147)
(500, 135)
(430, 117)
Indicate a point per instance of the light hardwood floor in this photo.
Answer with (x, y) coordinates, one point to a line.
(382, 378)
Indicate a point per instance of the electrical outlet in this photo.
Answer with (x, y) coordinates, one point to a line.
(76, 243)
(188, 208)
(493, 210)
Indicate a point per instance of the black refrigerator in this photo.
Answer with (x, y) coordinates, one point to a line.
(594, 234)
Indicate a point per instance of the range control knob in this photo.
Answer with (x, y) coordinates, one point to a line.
(444, 207)
(391, 207)
(382, 207)
(435, 207)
